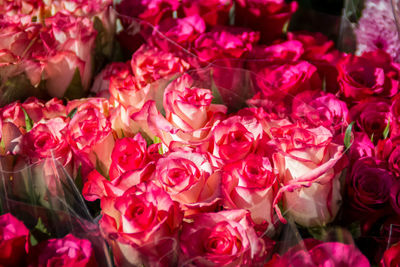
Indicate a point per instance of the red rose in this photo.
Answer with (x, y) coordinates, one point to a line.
(371, 74)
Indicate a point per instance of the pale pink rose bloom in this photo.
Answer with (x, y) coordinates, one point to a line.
(307, 163)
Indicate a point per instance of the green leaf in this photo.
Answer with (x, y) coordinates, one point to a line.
(347, 135)
(157, 140)
(28, 121)
(72, 113)
(372, 137)
(38, 233)
(75, 88)
(387, 129)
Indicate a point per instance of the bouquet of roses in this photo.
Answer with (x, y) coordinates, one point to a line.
(225, 139)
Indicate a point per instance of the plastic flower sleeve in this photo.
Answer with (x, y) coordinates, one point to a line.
(47, 200)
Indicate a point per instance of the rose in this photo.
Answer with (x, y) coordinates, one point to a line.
(187, 107)
(189, 179)
(389, 151)
(395, 196)
(368, 187)
(307, 163)
(181, 31)
(321, 52)
(224, 42)
(13, 241)
(66, 251)
(150, 64)
(372, 116)
(267, 16)
(235, 137)
(46, 139)
(281, 52)
(371, 74)
(311, 252)
(141, 226)
(128, 154)
(391, 257)
(101, 83)
(287, 80)
(251, 184)
(215, 12)
(225, 238)
(124, 90)
(90, 137)
(361, 147)
(320, 109)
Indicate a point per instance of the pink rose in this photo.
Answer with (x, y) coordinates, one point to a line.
(90, 136)
(235, 137)
(141, 226)
(189, 179)
(320, 109)
(66, 251)
(306, 161)
(226, 238)
(251, 184)
(128, 154)
(371, 116)
(150, 64)
(371, 74)
(189, 108)
(125, 91)
(266, 16)
(102, 81)
(311, 252)
(181, 31)
(14, 241)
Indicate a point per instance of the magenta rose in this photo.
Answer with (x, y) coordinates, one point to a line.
(13, 241)
(267, 16)
(371, 74)
(320, 109)
(361, 147)
(311, 252)
(189, 179)
(287, 80)
(372, 116)
(141, 226)
(226, 238)
(388, 150)
(66, 251)
(251, 184)
(214, 12)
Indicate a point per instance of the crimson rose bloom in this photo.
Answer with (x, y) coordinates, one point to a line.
(373, 73)
(13, 241)
(391, 257)
(368, 186)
